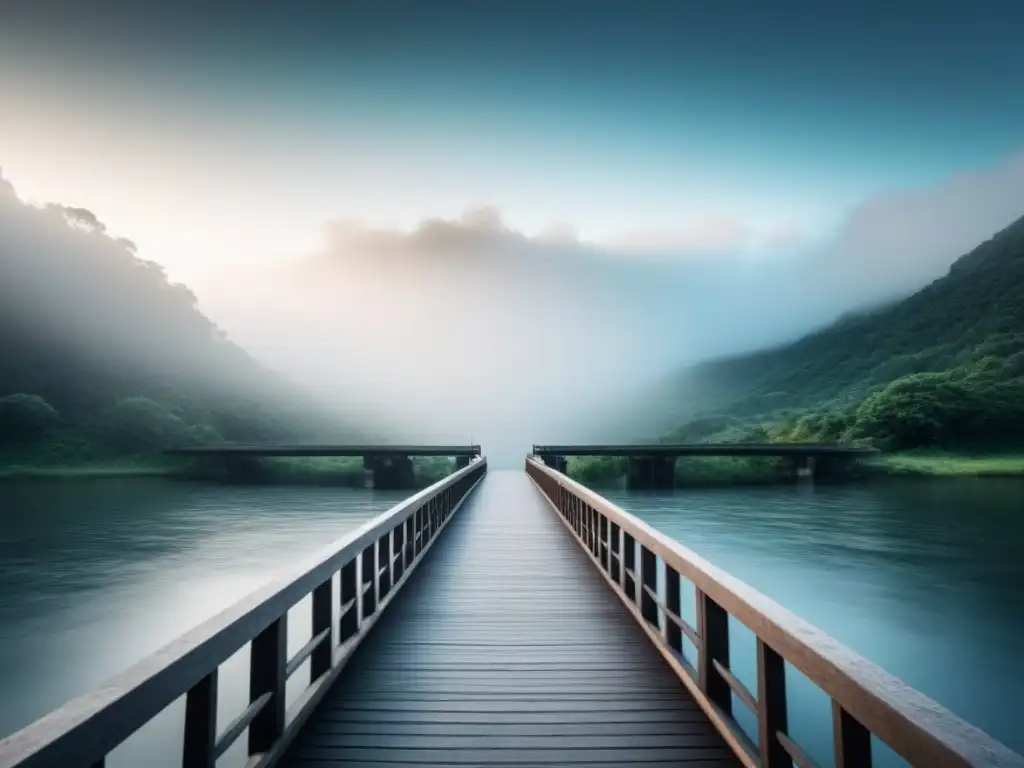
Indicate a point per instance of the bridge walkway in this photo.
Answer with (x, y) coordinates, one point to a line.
(508, 649)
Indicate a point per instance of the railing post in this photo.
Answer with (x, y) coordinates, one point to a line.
(673, 603)
(368, 580)
(201, 724)
(629, 585)
(851, 740)
(713, 624)
(349, 592)
(398, 551)
(771, 707)
(615, 545)
(410, 541)
(605, 549)
(383, 566)
(267, 662)
(323, 619)
(418, 526)
(649, 579)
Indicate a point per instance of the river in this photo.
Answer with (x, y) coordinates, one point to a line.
(925, 579)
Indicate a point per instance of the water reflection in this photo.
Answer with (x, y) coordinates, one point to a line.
(925, 579)
(94, 576)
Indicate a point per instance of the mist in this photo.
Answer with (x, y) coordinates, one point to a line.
(465, 328)
(85, 322)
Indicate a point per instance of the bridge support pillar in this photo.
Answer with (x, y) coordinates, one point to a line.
(241, 468)
(805, 466)
(390, 472)
(557, 463)
(651, 473)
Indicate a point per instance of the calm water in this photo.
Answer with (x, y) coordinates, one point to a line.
(924, 579)
(96, 575)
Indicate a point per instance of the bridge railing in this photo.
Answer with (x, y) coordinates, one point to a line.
(374, 562)
(865, 699)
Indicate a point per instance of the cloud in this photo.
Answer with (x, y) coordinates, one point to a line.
(706, 235)
(469, 325)
(786, 235)
(895, 242)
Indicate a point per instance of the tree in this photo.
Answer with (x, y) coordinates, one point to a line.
(923, 409)
(25, 418)
(137, 425)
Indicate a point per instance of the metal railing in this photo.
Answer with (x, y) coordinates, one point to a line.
(374, 562)
(865, 699)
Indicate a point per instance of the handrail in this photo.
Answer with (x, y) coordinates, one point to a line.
(85, 730)
(865, 698)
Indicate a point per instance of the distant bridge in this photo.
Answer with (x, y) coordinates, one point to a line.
(653, 465)
(391, 465)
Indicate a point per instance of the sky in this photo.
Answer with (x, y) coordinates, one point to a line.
(211, 133)
(760, 167)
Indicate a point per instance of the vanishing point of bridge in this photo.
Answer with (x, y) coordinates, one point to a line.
(523, 620)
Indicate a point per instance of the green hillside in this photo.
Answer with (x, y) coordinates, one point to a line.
(943, 368)
(102, 357)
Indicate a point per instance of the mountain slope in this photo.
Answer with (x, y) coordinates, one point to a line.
(942, 367)
(100, 352)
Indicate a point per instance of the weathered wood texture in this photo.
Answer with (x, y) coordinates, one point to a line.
(507, 649)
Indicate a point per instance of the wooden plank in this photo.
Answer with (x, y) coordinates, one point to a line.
(571, 752)
(508, 648)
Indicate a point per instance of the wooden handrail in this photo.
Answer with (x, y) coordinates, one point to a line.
(86, 729)
(865, 698)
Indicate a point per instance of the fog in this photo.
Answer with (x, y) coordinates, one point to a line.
(465, 328)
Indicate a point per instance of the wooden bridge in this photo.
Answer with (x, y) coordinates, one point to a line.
(653, 465)
(511, 619)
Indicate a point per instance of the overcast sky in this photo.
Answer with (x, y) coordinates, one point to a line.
(767, 165)
(217, 132)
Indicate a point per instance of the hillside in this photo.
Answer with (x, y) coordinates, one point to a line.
(943, 368)
(101, 356)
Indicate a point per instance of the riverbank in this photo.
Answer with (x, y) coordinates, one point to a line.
(946, 464)
(337, 471)
(83, 472)
(715, 471)
(690, 472)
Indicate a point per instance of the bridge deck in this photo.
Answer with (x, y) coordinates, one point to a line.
(507, 649)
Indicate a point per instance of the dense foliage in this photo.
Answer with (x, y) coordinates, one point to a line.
(102, 356)
(942, 368)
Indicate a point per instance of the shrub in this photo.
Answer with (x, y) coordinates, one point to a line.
(25, 418)
(137, 425)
